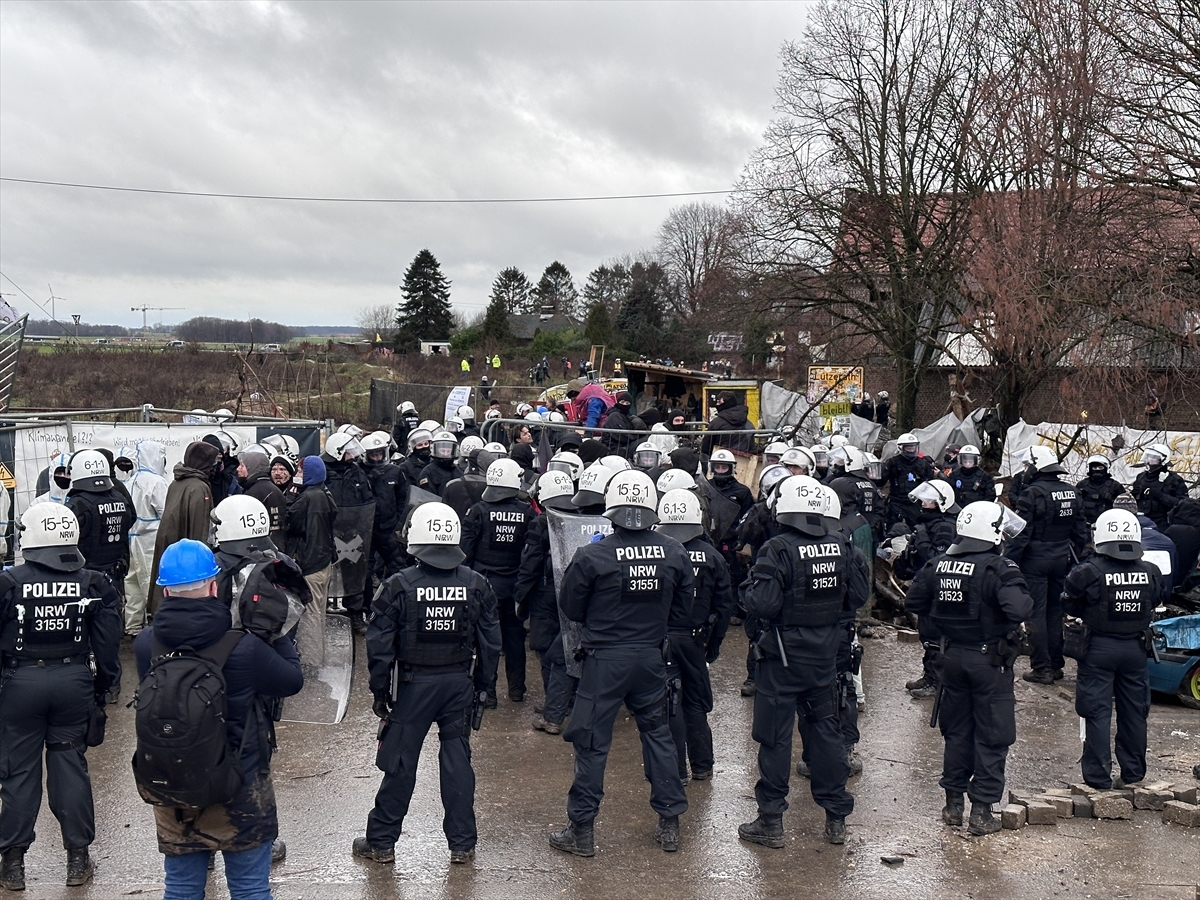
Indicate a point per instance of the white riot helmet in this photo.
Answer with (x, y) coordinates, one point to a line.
(229, 444)
(1156, 455)
(568, 462)
(353, 430)
(1118, 534)
(454, 425)
(375, 447)
(970, 452)
(882, 395)
(937, 492)
(674, 480)
(980, 527)
(430, 426)
(630, 501)
(242, 523)
(798, 457)
(90, 471)
(433, 534)
(1096, 460)
(445, 445)
(555, 490)
(770, 478)
(222, 415)
(472, 443)
(772, 452)
(592, 484)
(467, 414)
(856, 460)
(721, 457)
(418, 436)
(801, 504)
(492, 414)
(908, 444)
(646, 456)
(503, 480)
(680, 515)
(523, 409)
(820, 455)
(534, 416)
(341, 446)
(50, 537)
(284, 445)
(616, 463)
(874, 468)
(557, 418)
(837, 440)
(1045, 460)
(407, 407)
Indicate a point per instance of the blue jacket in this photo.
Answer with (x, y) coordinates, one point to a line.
(1155, 540)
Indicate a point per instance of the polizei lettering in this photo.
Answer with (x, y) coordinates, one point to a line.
(1063, 495)
(457, 594)
(106, 508)
(955, 567)
(1126, 578)
(631, 553)
(506, 517)
(52, 589)
(814, 551)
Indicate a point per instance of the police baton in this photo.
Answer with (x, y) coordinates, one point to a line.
(937, 705)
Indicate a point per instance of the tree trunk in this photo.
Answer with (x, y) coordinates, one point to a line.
(908, 385)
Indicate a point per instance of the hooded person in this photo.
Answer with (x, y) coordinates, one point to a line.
(732, 416)
(187, 507)
(254, 475)
(591, 450)
(622, 418)
(224, 476)
(283, 474)
(148, 487)
(58, 480)
(309, 541)
(589, 402)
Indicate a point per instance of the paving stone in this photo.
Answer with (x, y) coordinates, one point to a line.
(1039, 812)
(1112, 805)
(1064, 808)
(1083, 806)
(1057, 792)
(1085, 789)
(1144, 798)
(905, 636)
(1177, 812)
(1186, 794)
(1012, 816)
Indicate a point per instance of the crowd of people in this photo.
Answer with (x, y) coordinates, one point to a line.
(441, 541)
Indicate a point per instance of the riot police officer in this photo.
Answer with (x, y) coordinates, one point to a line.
(902, 473)
(442, 470)
(493, 535)
(391, 495)
(801, 585)
(1158, 489)
(626, 590)
(54, 613)
(419, 454)
(970, 482)
(406, 422)
(1099, 490)
(698, 643)
(976, 600)
(105, 515)
(1115, 593)
(1043, 550)
(433, 644)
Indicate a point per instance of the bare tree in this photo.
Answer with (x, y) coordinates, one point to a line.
(866, 177)
(696, 246)
(379, 319)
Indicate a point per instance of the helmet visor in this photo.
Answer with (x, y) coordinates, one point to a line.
(1013, 524)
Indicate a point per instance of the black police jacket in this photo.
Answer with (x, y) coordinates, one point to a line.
(348, 484)
(902, 473)
(104, 522)
(971, 485)
(410, 618)
(391, 494)
(463, 493)
(971, 598)
(712, 607)
(436, 475)
(1114, 596)
(628, 588)
(493, 534)
(1054, 520)
(1157, 492)
(49, 614)
(534, 594)
(1097, 495)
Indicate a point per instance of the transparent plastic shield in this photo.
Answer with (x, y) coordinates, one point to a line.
(326, 692)
(352, 550)
(568, 533)
(1013, 524)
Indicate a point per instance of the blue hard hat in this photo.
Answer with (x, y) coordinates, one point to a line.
(186, 562)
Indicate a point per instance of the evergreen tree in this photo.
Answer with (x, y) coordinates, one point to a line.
(514, 289)
(424, 314)
(644, 299)
(598, 329)
(608, 285)
(555, 292)
(495, 320)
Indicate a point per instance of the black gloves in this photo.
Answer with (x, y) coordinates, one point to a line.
(381, 707)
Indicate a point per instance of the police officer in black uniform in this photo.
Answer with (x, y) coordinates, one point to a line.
(976, 600)
(902, 473)
(1099, 490)
(1158, 489)
(443, 469)
(627, 590)
(391, 494)
(1115, 593)
(493, 536)
(801, 585)
(1056, 534)
(54, 613)
(970, 482)
(419, 454)
(105, 515)
(433, 644)
(698, 644)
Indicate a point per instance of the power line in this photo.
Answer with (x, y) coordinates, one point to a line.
(400, 200)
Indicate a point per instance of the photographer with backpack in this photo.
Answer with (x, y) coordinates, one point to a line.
(202, 756)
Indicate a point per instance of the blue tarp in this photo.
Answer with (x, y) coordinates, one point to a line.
(1181, 632)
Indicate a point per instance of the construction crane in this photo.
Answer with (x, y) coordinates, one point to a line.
(144, 308)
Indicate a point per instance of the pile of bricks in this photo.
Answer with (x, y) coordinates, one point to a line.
(1179, 804)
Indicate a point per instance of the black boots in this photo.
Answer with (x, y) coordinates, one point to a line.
(79, 867)
(667, 833)
(952, 812)
(580, 838)
(12, 872)
(365, 849)
(982, 821)
(835, 828)
(766, 830)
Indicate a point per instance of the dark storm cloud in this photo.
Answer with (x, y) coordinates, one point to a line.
(359, 99)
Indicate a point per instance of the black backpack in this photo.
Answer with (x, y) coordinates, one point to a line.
(268, 595)
(183, 758)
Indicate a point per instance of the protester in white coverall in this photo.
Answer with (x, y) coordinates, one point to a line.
(148, 487)
(58, 492)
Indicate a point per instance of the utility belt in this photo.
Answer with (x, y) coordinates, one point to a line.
(1000, 652)
(20, 662)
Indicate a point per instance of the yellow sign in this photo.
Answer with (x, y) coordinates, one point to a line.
(6, 478)
(828, 410)
(835, 384)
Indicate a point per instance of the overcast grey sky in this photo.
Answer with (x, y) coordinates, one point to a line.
(339, 99)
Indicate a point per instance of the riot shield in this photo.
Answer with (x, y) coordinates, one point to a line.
(352, 550)
(723, 513)
(568, 532)
(326, 692)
